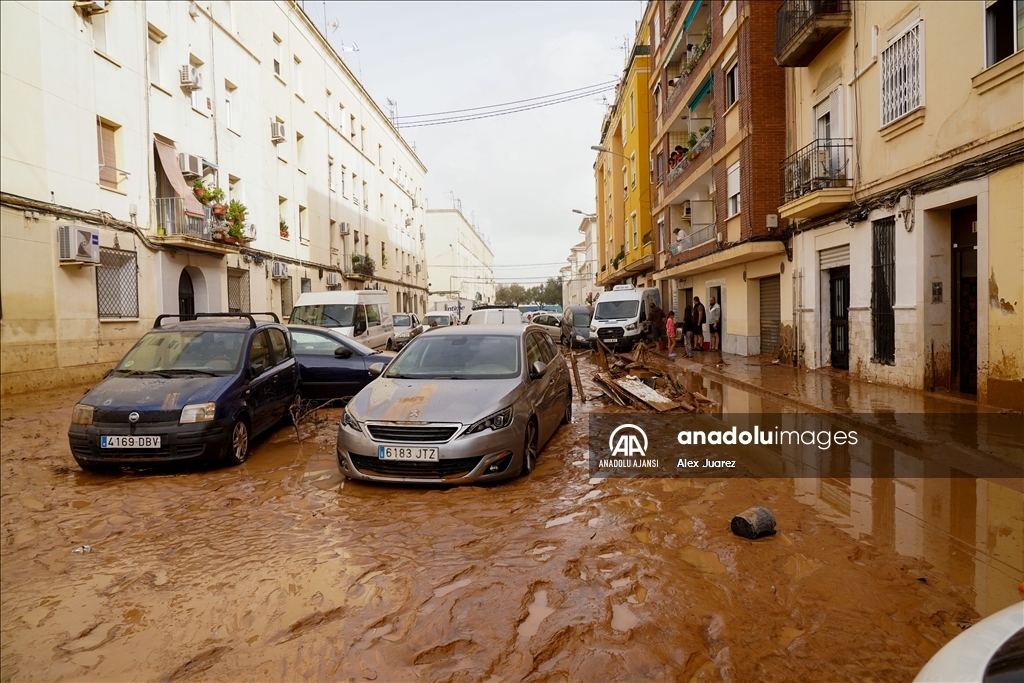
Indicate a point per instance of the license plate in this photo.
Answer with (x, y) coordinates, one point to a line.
(610, 341)
(415, 453)
(129, 442)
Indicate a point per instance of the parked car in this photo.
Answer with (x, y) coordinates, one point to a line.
(991, 651)
(330, 364)
(576, 326)
(191, 391)
(458, 405)
(551, 324)
(407, 326)
(495, 316)
(439, 319)
(363, 315)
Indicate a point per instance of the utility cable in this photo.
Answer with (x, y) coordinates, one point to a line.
(603, 86)
(475, 117)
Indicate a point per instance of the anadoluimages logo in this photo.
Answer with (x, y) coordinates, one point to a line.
(628, 443)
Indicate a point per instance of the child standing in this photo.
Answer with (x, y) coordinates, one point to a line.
(670, 330)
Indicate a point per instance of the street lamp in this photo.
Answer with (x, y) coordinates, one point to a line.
(599, 148)
(591, 216)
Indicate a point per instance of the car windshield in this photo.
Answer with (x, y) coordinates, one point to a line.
(326, 315)
(612, 310)
(339, 340)
(580, 319)
(441, 320)
(171, 352)
(458, 357)
(401, 321)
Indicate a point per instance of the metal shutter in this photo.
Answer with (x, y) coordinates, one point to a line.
(771, 314)
(834, 257)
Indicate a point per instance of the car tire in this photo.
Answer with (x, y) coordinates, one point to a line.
(530, 445)
(239, 443)
(563, 342)
(391, 345)
(94, 468)
(567, 414)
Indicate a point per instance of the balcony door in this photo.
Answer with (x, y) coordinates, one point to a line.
(826, 163)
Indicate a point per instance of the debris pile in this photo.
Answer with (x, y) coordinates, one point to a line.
(643, 380)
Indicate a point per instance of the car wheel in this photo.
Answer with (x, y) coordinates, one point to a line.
(238, 448)
(93, 467)
(529, 448)
(567, 415)
(562, 341)
(391, 345)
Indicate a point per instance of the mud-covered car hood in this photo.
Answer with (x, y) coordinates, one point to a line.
(155, 393)
(433, 400)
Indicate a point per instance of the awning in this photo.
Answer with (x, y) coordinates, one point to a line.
(690, 15)
(169, 162)
(701, 93)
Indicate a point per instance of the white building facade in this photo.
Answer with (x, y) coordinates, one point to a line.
(111, 117)
(579, 278)
(461, 262)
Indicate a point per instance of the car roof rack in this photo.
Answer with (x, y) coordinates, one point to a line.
(192, 316)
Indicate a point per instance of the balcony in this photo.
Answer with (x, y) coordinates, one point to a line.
(817, 179)
(687, 67)
(703, 142)
(804, 27)
(174, 227)
(362, 268)
(694, 239)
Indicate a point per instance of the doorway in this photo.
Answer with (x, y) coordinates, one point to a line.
(771, 312)
(186, 297)
(964, 231)
(839, 307)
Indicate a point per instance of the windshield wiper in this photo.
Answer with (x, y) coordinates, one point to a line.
(340, 324)
(194, 370)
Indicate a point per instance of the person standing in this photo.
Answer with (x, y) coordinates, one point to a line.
(670, 329)
(657, 323)
(688, 331)
(699, 318)
(714, 322)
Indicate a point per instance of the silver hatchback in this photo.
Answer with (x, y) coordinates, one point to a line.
(459, 405)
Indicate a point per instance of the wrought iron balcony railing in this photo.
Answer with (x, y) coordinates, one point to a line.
(703, 142)
(819, 165)
(171, 219)
(804, 27)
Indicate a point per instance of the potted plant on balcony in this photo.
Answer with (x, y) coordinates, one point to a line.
(235, 234)
(235, 216)
(215, 196)
(199, 189)
(283, 227)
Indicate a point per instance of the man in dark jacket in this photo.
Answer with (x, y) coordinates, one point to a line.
(657, 323)
(699, 318)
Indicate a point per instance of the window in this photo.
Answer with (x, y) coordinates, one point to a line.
(344, 193)
(286, 297)
(278, 342)
(328, 111)
(235, 189)
(362, 138)
(341, 118)
(633, 223)
(731, 85)
(153, 56)
(355, 199)
(661, 167)
(229, 96)
(883, 290)
(195, 97)
(238, 290)
(632, 112)
(313, 344)
(632, 170)
(352, 127)
(380, 157)
(366, 196)
(625, 182)
(732, 185)
(303, 225)
(1004, 29)
(305, 285)
(330, 175)
(657, 100)
(99, 32)
(300, 150)
(277, 55)
(297, 76)
(106, 144)
(259, 352)
(372, 315)
(117, 284)
(656, 33)
(902, 76)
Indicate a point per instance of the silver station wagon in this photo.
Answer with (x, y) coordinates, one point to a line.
(459, 405)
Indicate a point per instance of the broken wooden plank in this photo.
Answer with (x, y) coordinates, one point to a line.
(645, 394)
(576, 374)
(606, 387)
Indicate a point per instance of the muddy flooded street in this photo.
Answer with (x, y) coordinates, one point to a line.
(282, 569)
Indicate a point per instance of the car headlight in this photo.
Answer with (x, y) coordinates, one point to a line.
(198, 412)
(82, 414)
(502, 418)
(350, 422)
(631, 326)
(593, 328)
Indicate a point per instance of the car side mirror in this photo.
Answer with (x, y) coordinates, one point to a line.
(538, 369)
(256, 369)
(342, 352)
(376, 369)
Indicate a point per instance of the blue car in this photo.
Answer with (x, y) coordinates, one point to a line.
(330, 364)
(191, 391)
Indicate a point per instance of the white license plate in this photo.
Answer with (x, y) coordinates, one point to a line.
(610, 341)
(129, 442)
(414, 453)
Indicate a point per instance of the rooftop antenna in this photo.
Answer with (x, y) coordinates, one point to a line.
(392, 111)
(452, 193)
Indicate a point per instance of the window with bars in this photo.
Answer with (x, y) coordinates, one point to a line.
(238, 291)
(903, 74)
(286, 298)
(117, 284)
(883, 290)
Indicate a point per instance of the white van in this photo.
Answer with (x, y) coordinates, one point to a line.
(362, 314)
(622, 316)
(495, 316)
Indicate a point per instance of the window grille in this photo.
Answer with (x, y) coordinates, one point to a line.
(883, 290)
(238, 291)
(117, 284)
(902, 75)
(286, 297)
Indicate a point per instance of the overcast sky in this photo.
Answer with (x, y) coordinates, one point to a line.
(518, 176)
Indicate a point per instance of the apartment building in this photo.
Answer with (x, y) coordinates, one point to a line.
(579, 284)
(718, 111)
(180, 158)
(903, 187)
(622, 175)
(461, 261)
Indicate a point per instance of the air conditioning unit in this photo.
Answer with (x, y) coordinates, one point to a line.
(250, 231)
(423, 236)
(78, 245)
(190, 164)
(280, 270)
(345, 229)
(332, 278)
(419, 267)
(415, 203)
(408, 222)
(191, 78)
(90, 7)
(408, 270)
(277, 132)
(821, 165)
(686, 210)
(718, 237)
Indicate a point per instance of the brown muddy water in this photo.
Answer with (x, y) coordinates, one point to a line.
(283, 570)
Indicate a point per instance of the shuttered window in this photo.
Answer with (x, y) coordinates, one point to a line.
(732, 184)
(107, 154)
